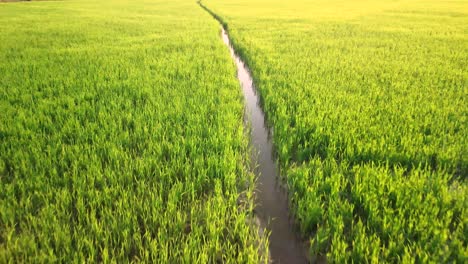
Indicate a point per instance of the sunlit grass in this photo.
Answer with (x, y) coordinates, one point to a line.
(367, 100)
(121, 136)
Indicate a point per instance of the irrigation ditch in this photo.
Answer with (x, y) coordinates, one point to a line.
(271, 198)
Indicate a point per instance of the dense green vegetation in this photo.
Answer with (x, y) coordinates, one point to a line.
(121, 132)
(368, 103)
(121, 136)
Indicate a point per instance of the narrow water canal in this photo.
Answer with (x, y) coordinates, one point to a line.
(271, 200)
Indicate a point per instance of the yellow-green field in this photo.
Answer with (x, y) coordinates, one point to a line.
(122, 135)
(368, 103)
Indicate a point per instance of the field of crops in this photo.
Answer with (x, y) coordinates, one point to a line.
(368, 104)
(121, 136)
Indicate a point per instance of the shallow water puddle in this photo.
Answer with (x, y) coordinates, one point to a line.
(272, 201)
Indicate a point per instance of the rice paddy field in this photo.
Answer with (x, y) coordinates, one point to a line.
(122, 135)
(368, 104)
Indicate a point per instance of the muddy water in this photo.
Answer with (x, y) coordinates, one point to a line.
(271, 200)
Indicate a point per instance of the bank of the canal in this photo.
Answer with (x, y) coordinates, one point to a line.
(272, 209)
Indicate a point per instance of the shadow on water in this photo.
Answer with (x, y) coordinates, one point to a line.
(271, 199)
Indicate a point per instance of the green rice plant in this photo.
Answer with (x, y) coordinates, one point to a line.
(380, 213)
(121, 136)
(367, 101)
